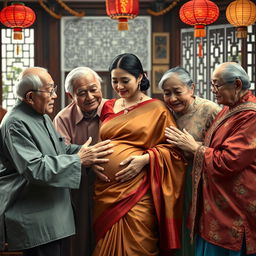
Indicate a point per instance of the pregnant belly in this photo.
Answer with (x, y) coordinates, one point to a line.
(121, 152)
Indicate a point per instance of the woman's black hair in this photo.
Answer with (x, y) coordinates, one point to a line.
(131, 64)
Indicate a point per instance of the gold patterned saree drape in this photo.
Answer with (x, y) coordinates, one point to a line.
(141, 216)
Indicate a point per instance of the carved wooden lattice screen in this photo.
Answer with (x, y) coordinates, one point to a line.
(220, 45)
(94, 41)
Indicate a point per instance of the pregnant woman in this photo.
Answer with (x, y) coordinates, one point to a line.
(141, 216)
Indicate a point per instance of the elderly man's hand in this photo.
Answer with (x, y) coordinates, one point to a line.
(95, 154)
(135, 165)
(181, 139)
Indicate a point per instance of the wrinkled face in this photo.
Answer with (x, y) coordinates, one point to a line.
(42, 100)
(87, 93)
(177, 95)
(225, 93)
(125, 84)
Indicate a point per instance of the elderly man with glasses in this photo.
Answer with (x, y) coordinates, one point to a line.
(37, 170)
(224, 173)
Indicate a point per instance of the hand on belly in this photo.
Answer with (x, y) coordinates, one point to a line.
(121, 152)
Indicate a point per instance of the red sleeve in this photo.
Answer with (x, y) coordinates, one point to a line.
(237, 151)
(107, 109)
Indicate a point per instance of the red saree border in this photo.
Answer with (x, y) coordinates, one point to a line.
(113, 115)
(157, 197)
(168, 227)
(114, 213)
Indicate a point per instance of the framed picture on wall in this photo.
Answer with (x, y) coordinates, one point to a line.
(157, 73)
(161, 48)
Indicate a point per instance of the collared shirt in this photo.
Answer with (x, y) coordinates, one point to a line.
(72, 124)
(76, 127)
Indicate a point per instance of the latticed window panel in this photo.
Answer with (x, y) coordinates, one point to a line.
(16, 55)
(220, 45)
(251, 53)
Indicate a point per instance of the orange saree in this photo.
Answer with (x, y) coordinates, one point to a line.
(141, 216)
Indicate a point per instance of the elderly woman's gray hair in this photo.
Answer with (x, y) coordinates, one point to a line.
(232, 71)
(77, 73)
(182, 74)
(26, 83)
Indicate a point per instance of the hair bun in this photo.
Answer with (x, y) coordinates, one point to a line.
(144, 85)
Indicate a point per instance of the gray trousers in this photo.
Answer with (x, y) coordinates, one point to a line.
(50, 249)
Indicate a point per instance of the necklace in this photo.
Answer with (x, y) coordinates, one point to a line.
(128, 108)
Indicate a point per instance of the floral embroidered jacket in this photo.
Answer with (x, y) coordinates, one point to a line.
(224, 179)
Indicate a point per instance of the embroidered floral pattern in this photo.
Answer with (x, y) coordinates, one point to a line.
(237, 229)
(198, 117)
(221, 202)
(196, 174)
(240, 190)
(207, 206)
(205, 179)
(251, 208)
(213, 232)
(253, 143)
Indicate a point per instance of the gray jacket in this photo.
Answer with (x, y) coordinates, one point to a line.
(37, 169)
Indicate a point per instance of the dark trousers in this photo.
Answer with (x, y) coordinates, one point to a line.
(50, 249)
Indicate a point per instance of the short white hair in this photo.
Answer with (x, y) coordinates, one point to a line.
(77, 73)
(27, 82)
(232, 71)
(182, 74)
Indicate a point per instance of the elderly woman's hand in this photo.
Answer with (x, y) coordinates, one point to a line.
(99, 172)
(134, 166)
(181, 139)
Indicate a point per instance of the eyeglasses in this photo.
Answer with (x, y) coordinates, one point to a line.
(51, 92)
(217, 86)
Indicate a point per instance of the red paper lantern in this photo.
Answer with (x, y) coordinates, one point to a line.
(199, 13)
(17, 16)
(122, 10)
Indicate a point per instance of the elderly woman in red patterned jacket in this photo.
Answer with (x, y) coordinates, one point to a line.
(224, 172)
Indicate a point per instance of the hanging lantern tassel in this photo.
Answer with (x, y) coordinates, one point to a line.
(200, 48)
(123, 24)
(199, 31)
(241, 32)
(17, 33)
(17, 49)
